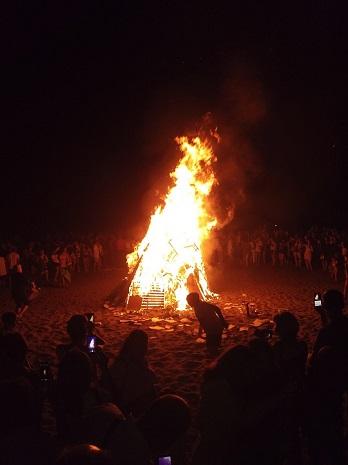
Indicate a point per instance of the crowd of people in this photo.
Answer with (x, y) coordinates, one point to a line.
(262, 402)
(318, 248)
(26, 267)
(53, 260)
(323, 248)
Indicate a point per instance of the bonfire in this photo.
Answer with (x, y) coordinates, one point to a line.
(168, 263)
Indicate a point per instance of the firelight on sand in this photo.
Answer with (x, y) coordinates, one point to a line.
(168, 263)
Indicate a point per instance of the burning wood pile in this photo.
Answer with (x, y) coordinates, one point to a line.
(168, 263)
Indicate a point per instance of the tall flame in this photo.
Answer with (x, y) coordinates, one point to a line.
(170, 255)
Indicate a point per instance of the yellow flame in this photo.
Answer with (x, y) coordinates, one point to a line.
(171, 252)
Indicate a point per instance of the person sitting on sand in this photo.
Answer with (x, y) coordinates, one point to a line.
(210, 320)
(21, 440)
(132, 380)
(77, 328)
(335, 333)
(160, 431)
(13, 358)
(8, 320)
(224, 408)
(77, 392)
(290, 353)
(324, 407)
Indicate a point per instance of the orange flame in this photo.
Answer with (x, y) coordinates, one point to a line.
(171, 252)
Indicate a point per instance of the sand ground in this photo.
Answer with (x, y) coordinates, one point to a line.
(174, 353)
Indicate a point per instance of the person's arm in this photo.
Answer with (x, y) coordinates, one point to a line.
(220, 315)
(319, 343)
(200, 330)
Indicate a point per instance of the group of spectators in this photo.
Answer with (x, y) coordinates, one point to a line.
(263, 402)
(106, 412)
(54, 260)
(318, 247)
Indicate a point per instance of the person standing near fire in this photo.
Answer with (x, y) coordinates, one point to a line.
(211, 321)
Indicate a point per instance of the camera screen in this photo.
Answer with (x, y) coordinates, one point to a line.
(317, 300)
(164, 461)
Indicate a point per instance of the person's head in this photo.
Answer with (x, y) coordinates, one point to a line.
(84, 454)
(8, 320)
(166, 420)
(235, 365)
(333, 303)
(135, 346)
(286, 325)
(13, 349)
(77, 329)
(193, 299)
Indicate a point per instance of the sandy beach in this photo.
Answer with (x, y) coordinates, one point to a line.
(176, 356)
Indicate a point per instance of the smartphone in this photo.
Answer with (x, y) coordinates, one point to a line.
(165, 460)
(317, 301)
(44, 372)
(90, 317)
(91, 343)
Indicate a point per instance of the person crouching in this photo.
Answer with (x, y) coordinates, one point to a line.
(211, 321)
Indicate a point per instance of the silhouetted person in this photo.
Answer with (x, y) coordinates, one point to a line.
(8, 320)
(77, 329)
(165, 424)
(19, 290)
(335, 333)
(290, 353)
(210, 320)
(132, 379)
(224, 412)
(160, 431)
(13, 350)
(324, 407)
(21, 442)
(291, 357)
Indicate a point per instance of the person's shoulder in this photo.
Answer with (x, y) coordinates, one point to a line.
(211, 306)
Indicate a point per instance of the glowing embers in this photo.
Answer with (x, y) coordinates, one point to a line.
(168, 262)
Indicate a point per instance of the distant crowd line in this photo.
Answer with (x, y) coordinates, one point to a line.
(324, 248)
(53, 261)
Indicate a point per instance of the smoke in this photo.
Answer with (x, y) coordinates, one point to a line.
(239, 116)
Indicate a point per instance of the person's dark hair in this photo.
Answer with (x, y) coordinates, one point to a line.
(235, 365)
(287, 325)
(135, 346)
(333, 302)
(166, 420)
(83, 454)
(9, 319)
(77, 328)
(193, 298)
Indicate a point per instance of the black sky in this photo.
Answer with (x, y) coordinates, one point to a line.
(93, 95)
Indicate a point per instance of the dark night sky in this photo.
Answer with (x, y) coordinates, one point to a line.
(94, 95)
